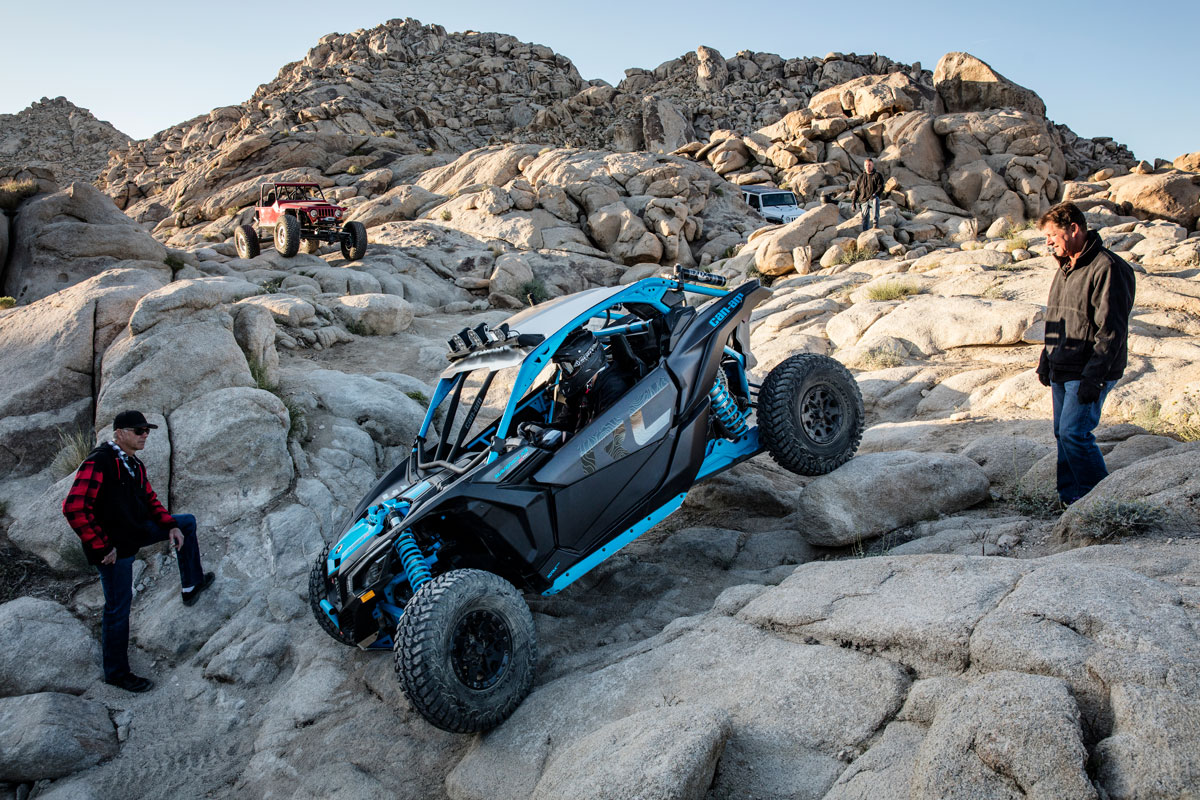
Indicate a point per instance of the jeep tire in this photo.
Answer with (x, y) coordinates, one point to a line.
(318, 583)
(354, 241)
(465, 650)
(245, 238)
(810, 414)
(310, 244)
(287, 235)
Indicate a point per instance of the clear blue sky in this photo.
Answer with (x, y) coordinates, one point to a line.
(1125, 70)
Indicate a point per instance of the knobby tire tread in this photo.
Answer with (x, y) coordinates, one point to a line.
(779, 424)
(316, 593)
(418, 655)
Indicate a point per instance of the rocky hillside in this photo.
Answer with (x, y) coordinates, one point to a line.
(59, 136)
(350, 108)
(777, 637)
(923, 622)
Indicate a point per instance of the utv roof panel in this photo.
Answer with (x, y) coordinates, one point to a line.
(546, 318)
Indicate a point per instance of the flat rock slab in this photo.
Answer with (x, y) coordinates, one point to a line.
(822, 701)
(1093, 628)
(919, 611)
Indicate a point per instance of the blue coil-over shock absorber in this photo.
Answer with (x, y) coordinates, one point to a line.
(725, 407)
(412, 561)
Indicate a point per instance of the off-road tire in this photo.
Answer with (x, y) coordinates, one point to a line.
(245, 238)
(317, 583)
(354, 242)
(287, 235)
(310, 245)
(461, 610)
(810, 414)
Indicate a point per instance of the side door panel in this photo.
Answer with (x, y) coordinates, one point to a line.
(612, 464)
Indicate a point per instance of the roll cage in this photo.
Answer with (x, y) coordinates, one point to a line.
(636, 323)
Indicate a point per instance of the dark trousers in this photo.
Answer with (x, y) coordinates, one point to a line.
(117, 581)
(1080, 463)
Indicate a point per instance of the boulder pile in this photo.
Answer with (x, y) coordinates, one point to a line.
(922, 622)
(59, 136)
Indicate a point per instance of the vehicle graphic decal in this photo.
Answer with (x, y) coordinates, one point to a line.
(642, 417)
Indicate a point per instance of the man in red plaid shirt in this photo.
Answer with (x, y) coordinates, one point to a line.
(115, 512)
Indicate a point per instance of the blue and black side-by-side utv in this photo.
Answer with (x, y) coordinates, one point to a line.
(434, 560)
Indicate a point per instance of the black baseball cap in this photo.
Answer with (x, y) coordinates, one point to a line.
(131, 419)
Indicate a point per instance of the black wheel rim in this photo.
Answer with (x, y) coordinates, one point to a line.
(821, 414)
(480, 649)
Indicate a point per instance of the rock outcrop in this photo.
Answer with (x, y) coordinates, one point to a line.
(59, 136)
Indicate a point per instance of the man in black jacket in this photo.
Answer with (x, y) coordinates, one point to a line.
(113, 509)
(1087, 327)
(867, 191)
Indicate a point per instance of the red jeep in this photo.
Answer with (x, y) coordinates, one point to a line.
(298, 217)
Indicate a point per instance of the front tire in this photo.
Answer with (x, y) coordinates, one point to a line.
(354, 241)
(465, 650)
(245, 238)
(810, 414)
(287, 236)
(318, 583)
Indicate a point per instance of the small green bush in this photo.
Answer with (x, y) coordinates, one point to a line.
(12, 192)
(892, 290)
(7, 302)
(445, 215)
(297, 423)
(534, 291)
(388, 134)
(719, 192)
(354, 169)
(272, 286)
(418, 396)
(297, 420)
(731, 251)
(259, 373)
(174, 262)
(1039, 505)
(427, 151)
(1111, 519)
(854, 254)
(357, 328)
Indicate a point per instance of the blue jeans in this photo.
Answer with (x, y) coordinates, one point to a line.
(1080, 463)
(866, 213)
(117, 582)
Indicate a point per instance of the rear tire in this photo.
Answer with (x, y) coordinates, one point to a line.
(318, 583)
(465, 650)
(354, 242)
(245, 238)
(287, 236)
(810, 414)
(310, 245)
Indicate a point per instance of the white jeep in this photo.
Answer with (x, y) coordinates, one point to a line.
(775, 205)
